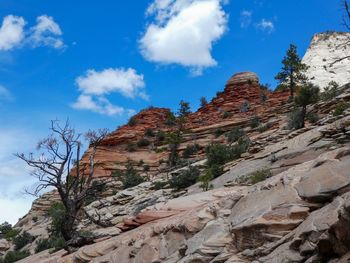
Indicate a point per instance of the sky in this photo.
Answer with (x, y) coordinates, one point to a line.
(99, 62)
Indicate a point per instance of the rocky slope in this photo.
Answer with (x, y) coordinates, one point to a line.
(322, 56)
(300, 212)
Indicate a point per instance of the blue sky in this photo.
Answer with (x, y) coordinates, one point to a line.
(97, 62)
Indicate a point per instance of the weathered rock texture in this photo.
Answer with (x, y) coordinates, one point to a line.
(323, 57)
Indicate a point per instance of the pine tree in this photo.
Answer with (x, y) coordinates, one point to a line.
(293, 70)
(307, 94)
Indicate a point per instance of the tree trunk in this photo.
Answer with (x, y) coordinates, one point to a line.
(292, 84)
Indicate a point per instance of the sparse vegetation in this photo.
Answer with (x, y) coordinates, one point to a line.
(235, 134)
(129, 177)
(174, 139)
(330, 92)
(218, 132)
(226, 115)
(170, 119)
(23, 239)
(204, 180)
(13, 256)
(185, 178)
(295, 120)
(254, 122)
(203, 101)
(160, 136)
(131, 147)
(157, 185)
(149, 132)
(264, 127)
(190, 150)
(255, 177)
(132, 121)
(143, 142)
(340, 108)
(184, 109)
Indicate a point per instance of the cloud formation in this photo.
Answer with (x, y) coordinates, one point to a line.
(266, 25)
(46, 32)
(246, 18)
(96, 85)
(11, 32)
(183, 32)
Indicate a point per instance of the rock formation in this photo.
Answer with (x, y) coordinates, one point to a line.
(323, 57)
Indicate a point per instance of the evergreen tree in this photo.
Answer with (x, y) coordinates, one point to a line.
(293, 70)
(184, 109)
(307, 94)
(203, 101)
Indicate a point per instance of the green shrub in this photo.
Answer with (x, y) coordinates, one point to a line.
(131, 147)
(143, 142)
(157, 185)
(330, 92)
(190, 150)
(54, 243)
(340, 108)
(149, 132)
(170, 119)
(10, 235)
(254, 122)
(216, 170)
(132, 121)
(160, 137)
(312, 117)
(96, 190)
(57, 213)
(129, 177)
(264, 127)
(146, 168)
(22, 240)
(35, 219)
(185, 179)
(295, 119)
(160, 150)
(203, 101)
(204, 181)
(218, 132)
(5, 228)
(13, 256)
(235, 134)
(256, 177)
(226, 115)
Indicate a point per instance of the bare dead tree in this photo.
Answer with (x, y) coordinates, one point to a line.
(58, 166)
(346, 24)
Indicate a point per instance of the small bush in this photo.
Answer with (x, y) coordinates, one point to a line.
(185, 179)
(256, 177)
(330, 92)
(216, 170)
(312, 117)
(264, 127)
(254, 122)
(57, 214)
(54, 243)
(42, 244)
(22, 240)
(264, 97)
(160, 150)
(204, 181)
(132, 121)
(5, 228)
(157, 185)
(190, 150)
(340, 108)
(160, 137)
(129, 177)
(149, 132)
(235, 134)
(170, 119)
(203, 101)
(218, 132)
(131, 147)
(143, 142)
(13, 256)
(295, 119)
(226, 115)
(35, 219)
(10, 235)
(146, 168)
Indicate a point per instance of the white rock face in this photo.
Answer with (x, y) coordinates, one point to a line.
(325, 49)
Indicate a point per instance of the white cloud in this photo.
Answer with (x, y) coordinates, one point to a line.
(246, 18)
(183, 32)
(5, 94)
(124, 81)
(46, 33)
(100, 105)
(266, 25)
(11, 32)
(95, 85)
